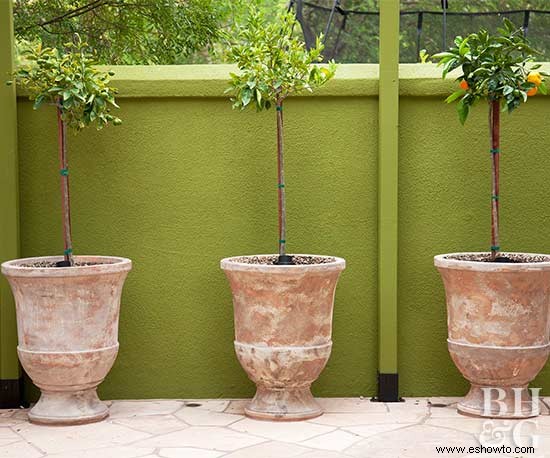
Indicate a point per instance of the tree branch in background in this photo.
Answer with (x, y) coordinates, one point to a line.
(73, 13)
(123, 32)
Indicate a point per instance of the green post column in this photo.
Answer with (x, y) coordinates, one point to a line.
(388, 118)
(10, 372)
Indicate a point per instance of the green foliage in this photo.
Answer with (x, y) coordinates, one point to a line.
(237, 11)
(473, 5)
(424, 56)
(191, 31)
(494, 67)
(122, 31)
(274, 63)
(431, 37)
(69, 81)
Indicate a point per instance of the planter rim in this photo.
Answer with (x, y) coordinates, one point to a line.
(443, 261)
(232, 264)
(110, 264)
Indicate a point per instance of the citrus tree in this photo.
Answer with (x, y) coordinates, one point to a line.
(81, 96)
(274, 64)
(496, 68)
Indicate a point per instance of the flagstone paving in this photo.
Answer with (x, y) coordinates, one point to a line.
(350, 428)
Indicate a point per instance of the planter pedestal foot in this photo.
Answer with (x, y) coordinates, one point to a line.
(292, 404)
(502, 403)
(68, 408)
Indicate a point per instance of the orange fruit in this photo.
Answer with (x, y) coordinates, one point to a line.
(535, 78)
(464, 85)
(532, 91)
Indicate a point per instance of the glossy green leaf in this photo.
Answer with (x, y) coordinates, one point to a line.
(455, 95)
(463, 111)
(67, 80)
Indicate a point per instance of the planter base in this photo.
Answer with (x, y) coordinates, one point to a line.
(283, 405)
(68, 408)
(473, 404)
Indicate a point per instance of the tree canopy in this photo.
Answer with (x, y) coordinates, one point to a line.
(137, 32)
(122, 31)
(68, 81)
(274, 63)
(494, 67)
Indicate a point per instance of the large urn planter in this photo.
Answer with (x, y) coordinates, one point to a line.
(499, 328)
(283, 328)
(67, 323)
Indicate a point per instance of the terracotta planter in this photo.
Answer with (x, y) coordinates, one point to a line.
(283, 327)
(67, 323)
(499, 327)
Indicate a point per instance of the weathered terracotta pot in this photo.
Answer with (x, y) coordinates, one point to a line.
(499, 328)
(283, 327)
(67, 323)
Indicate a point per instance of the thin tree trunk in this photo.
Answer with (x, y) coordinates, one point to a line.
(494, 125)
(281, 180)
(65, 198)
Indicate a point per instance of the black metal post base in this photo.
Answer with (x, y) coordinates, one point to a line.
(11, 391)
(388, 388)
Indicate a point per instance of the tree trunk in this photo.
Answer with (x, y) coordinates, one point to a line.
(65, 199)
(494, 125)
(281, 181)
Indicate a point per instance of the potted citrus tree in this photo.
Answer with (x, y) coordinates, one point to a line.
(68, 305)
(283, 303)
(497, 302)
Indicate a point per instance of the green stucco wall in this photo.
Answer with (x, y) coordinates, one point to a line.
(186, 181)
(9, 214)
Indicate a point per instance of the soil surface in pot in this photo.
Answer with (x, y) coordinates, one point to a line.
(53, 264)
(272, 260)
(514, 258)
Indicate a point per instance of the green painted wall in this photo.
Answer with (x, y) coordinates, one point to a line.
(186, 181)
(444, 206)
(9, 221)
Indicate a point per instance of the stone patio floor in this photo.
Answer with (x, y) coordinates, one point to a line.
(351, 427)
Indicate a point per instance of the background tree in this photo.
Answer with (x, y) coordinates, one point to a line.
(123, 31)
(81, 96)
(139, 32)
(495, 68)
(432, 31)
(274, 64)
(471, 5)
(353, 36)
(192, 31)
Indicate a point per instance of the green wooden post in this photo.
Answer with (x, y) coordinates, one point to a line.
(388, 118)
(10, 372)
